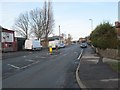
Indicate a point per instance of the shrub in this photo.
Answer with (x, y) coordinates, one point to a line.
(104, 36)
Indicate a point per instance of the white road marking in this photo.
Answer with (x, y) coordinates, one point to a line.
(19, 68)
(30, 60)
(24, 56)
(14, 66)
(76, 52)
(81, 85)
(29, 65)
(107, 80)
(42, 57)
(80, 54)
(36, 56)
(93, 57)
(64, 54)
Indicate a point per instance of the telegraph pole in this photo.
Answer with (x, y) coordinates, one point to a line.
(59, 33)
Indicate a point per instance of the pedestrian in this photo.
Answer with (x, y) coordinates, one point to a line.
(56, 48)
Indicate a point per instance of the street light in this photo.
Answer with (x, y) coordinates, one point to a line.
(91, 24)
(59, 30)
(59, 33)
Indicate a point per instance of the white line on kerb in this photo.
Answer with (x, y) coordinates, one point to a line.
(81, 85)
(80, 54)
(14, 66)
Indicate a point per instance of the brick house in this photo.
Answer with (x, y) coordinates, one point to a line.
(8, 42)
(117, 26)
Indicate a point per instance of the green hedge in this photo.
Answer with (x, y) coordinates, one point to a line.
(104, 36)
(119, 44)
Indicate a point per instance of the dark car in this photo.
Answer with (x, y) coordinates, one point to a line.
(83, 45)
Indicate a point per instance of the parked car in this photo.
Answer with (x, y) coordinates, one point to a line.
(83, 45)
(33, 45)
(61, 45)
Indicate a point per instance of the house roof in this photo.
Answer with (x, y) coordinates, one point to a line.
(6, 30)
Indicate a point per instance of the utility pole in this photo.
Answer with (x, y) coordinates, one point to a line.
(59, 34)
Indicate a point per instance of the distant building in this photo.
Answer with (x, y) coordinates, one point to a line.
(117, 26)
(82, 39)
(62, 40)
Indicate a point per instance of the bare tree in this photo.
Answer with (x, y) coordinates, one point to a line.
(22, 24)
(48, 20)
(36, 22)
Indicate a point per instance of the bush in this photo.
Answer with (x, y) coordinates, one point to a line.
(118, 44)
(104, 36)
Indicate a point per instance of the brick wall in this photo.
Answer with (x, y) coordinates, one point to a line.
(110, 53)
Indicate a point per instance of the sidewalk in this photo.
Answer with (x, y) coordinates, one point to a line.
(96, 74)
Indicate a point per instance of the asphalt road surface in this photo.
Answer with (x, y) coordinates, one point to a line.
(39, 69)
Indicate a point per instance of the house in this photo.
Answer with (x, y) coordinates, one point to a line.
(117, 26)
(8, 40)
(82, 39)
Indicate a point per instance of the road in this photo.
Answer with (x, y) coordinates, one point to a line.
(39, 69)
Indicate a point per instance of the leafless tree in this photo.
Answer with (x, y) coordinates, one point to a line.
(48, 20)
(36, 18)
(22, 25)
(40, 22)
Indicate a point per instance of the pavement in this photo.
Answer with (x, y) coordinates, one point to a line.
(95, 73)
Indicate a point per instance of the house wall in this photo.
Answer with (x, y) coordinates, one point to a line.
(118, 32)
(7, 39)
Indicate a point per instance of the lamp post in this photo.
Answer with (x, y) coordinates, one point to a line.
(59, 30)
(91, 24)
(59, 33)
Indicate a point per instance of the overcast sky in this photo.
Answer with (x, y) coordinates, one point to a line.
(73, 17)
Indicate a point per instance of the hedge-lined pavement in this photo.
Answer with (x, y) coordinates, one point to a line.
(95, 73)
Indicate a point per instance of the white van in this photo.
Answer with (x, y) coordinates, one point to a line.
(33, 45)
(54, 43)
